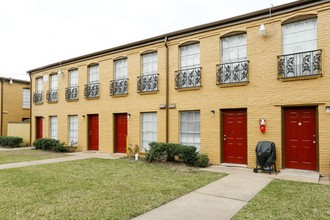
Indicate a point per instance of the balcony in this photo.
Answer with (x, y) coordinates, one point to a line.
(52, 96)
(37, 98)
(147, 83)
(119, 87)
(92, 90)
(234, 72)
(188, 78)
(302, 64)
(71, 93)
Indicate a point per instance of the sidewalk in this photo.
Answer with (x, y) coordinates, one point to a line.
(72, 157)
(222, 199)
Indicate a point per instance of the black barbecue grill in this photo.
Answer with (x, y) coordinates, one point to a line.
(266, 157)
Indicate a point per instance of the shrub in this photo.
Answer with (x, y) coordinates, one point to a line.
(50, 144)
(169, 152)
(202, 160)
(132, 151)
(10, 141)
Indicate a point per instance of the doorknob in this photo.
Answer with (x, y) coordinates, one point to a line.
(314, 142)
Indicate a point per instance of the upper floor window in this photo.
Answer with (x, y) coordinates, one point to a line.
(299, 48)
(73, 77)
(53, 91)
(93, 74)
(189, 74)
(148, 81)
(121, 69)
(37, 96)
(26, 98)
(119, 86)
(234, 64)
(92, 88)
(71, 93)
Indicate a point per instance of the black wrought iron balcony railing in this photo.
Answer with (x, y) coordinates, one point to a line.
(299, 64)
(147, 83)
(119, 87)
(234, 72)
(188, 78)
(52, 95)
(92, 90)
(37, 97)
(71, 93)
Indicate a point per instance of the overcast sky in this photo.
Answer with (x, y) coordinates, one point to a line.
(35, 33)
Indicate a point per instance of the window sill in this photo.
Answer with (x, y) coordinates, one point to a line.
(72, 100)
(119, 95)
(92, 98)
(225, 85)
(148, 93)
(295, 78)
(26, 108)
(188, 88)
(38, 103)
(53, 102)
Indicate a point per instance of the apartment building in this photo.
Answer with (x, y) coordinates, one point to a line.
(221, 87)
(14, 102)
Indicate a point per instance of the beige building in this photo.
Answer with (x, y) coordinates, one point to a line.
(14, 102)
(212, 86)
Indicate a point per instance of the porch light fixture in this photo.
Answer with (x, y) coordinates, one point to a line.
(262, 30)
(327, 109)
(83, 116)
(162, 106)
(212, 112)
(128, 115)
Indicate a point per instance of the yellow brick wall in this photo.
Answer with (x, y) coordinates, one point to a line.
(13, 104)
(264, 95)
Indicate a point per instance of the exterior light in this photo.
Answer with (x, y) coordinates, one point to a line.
(262, 30)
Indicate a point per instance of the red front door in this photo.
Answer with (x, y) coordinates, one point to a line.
(300, 138)
(234, 136)
(93, 127)
(121, 132)
(39, 127)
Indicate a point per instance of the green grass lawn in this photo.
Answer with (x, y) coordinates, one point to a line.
(94, 189)
(289, 200)
(22, 155)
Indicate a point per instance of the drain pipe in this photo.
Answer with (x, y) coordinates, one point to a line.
(1, 109)
(31, 99)
(167, 90)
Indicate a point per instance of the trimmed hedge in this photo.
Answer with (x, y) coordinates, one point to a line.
(169, 152)
(49, 144)
(10, 141)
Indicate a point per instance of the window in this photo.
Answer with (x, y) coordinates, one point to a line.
(53, 127)
(233, 48)
(190, 128)
(121, 69)
(299, 48)
(26, 98)
(93, 74)
(189, 74)
(73, 78)
(119, 86)
(149, 129)
(300, 36)
(149, 63)
(39, 85)
(73, 130)
(189, 56)
(148, 81)
(234, 64)
(53, 82)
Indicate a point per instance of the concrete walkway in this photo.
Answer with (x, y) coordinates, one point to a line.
(72, 157)
(221, 199)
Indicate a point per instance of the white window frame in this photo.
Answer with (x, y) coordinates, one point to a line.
(299, 36)
(73, 78)
(149, 63)
(120, 69)
(53, 80)
(53, 127)
(148, 129)
(73, 130)
(26, 98)
(233, 48)
(190, 56)
(190, 130)
(93, 74)
(39, 85)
